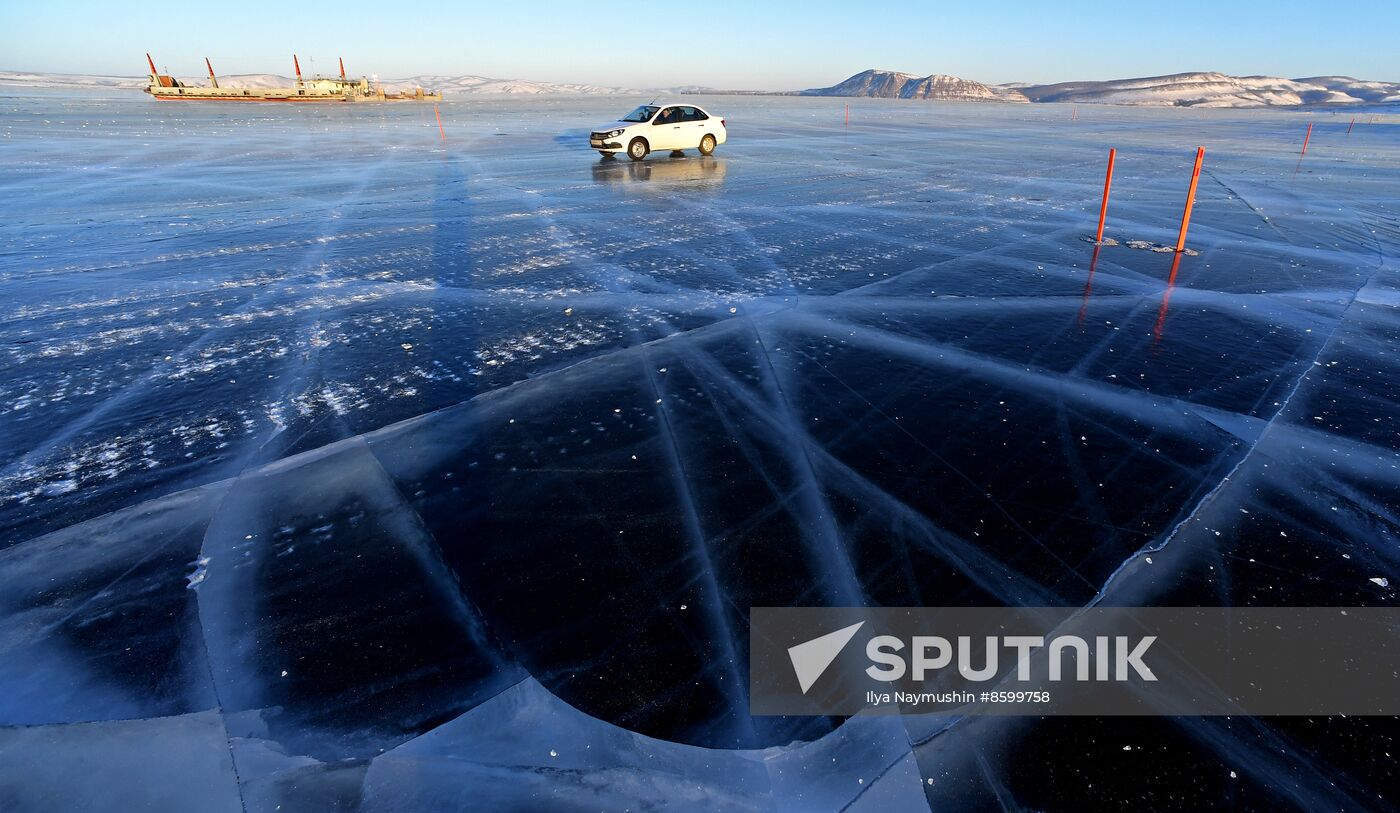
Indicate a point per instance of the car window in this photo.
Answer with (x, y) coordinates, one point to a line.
(668, 116)
(694, 114)
(643, 113)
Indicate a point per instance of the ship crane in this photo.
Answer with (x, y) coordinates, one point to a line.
(159, 79)
(213, 80)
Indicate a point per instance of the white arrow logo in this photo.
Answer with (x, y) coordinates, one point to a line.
(812, 658)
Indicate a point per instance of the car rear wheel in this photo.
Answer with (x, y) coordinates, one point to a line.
(707, 144)
(637, 150)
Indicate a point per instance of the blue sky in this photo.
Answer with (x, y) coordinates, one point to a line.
(761, 45)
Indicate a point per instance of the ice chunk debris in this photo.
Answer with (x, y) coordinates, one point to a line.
(201, 571)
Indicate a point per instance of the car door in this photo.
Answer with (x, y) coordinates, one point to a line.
(699, 124)
(668, 126)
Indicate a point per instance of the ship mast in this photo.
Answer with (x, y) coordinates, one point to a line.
(296, 64)
(159, 79)
(213, 80)
(342, 66)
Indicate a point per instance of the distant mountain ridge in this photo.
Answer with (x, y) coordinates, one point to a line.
(1199, 89)
(895, 85)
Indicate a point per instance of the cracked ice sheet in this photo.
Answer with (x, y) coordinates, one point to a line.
(1308, 518)
(159, 763)
(953, 236)
(241, 326)
(524, 749)
(356, 636)
(97, 621)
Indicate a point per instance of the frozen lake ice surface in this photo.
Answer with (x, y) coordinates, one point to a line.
(347, 468)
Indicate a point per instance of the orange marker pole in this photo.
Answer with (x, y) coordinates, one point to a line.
(848, 115)
(1103, 210)
(1306, 139)
(1353, 124)
(441, 132)
(1190, 200)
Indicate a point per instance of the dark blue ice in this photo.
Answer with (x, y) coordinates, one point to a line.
(345, 468)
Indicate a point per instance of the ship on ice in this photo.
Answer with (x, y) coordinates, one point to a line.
(166, 88)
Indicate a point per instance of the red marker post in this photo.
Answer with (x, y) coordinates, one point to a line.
(1103, 209)
(1306, 139)
(1190, 200)
(848, 115)
(441, 132)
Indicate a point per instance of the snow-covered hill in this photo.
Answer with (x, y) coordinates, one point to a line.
(1372, 92)
(1181, 90)
(1196, 90)
(896, 85)
(483, 85)
(24, 79)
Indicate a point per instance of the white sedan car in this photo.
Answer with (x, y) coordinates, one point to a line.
(654, 127)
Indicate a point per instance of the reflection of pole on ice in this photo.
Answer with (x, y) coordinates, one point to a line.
(1166, 300)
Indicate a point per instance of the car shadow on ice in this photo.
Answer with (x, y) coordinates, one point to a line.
(573, 138)
(707, 169)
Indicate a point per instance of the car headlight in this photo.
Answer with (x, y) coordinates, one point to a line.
(614, 133)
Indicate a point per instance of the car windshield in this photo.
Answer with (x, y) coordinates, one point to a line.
(643, 113)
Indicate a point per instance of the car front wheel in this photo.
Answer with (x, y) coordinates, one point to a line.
(637, 150)
(707, 144)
